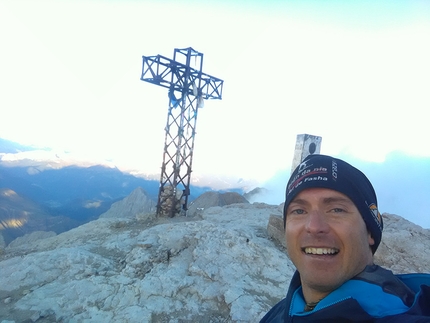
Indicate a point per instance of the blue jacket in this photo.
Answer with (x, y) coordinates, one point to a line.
(375, 295)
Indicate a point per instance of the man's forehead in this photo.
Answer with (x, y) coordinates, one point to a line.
(324, 194)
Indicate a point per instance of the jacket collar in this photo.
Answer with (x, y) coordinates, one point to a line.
(378, 292)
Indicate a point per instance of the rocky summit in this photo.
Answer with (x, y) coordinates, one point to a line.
(219, 265)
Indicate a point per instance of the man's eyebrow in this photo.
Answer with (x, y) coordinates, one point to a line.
(326, 200)
(299, 201)
(336, 199)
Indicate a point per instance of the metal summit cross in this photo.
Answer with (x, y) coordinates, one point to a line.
(188, 87)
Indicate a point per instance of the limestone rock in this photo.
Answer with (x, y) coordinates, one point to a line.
(275, 229)
(252, 195)
(212, 198)
(30, 238)
(404, 247)
(133, 205)
(220, 268)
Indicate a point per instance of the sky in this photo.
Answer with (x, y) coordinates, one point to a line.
(355, 73)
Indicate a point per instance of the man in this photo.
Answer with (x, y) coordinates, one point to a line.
(333, 228)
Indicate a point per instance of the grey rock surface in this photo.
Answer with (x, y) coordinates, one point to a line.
(136, 203)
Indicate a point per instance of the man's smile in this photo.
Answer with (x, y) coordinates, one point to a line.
(320, 251)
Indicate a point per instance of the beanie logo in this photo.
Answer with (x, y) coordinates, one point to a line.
(306, 174)
(334, 170)
(376, 215)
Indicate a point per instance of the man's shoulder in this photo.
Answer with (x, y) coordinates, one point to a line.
(393, 283)
(415, 280)
(402, 318)
(420, 310)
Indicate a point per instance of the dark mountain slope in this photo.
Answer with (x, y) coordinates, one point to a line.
(19, 216)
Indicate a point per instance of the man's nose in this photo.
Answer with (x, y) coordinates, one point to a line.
(316, 222)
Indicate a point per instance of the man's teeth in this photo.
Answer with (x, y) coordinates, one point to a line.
(321, 251)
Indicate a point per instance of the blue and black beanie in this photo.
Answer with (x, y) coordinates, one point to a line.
(336, 174)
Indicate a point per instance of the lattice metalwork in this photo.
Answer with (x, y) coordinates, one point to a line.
(188, 87)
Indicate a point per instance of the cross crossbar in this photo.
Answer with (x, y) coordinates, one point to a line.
(170, 74)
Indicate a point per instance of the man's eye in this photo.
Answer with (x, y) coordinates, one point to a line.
(298, 211)
(338, 210)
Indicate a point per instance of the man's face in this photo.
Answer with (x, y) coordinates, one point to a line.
(327, 240)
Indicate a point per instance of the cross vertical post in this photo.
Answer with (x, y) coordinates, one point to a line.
(188, 87)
